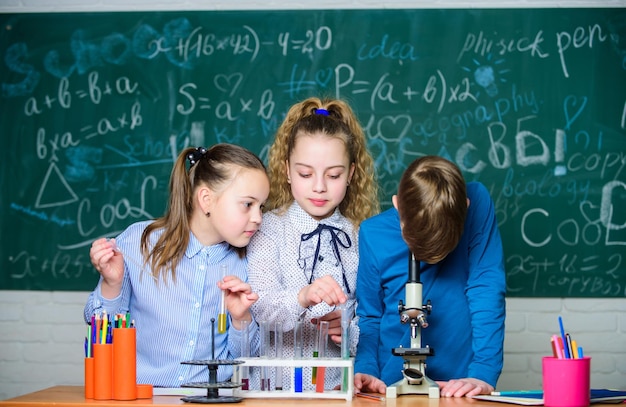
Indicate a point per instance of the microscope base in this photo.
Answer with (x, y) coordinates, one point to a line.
(402, 387)
(415, 380)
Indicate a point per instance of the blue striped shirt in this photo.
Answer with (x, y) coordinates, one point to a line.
(173, 318)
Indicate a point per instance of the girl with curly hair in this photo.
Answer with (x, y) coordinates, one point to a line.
(303, 260)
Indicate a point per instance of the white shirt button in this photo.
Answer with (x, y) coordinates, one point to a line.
(191, 343)
(197, 305)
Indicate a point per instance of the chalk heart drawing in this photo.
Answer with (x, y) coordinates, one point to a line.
(227, 83)
(393, 129)
(323, 77)
(573, 103)
(589, 211)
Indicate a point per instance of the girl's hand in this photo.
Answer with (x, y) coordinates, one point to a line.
(239, 298)
(334, 324)
(324, 289)
(110, 264)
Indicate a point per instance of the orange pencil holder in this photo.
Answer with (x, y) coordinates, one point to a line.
(144, 391)
(124, 364)
(103, 371)
(89, 384)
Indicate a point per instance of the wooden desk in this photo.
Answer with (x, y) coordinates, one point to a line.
(73, 396)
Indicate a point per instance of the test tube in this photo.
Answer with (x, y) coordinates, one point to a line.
(278, 342)
(345, 331)
(297, 354)
(117, 249)
(221, 317)
(212, 338)
(245, 353)
(316, 347)
(264, 327)
(345, 342)
(321, 370)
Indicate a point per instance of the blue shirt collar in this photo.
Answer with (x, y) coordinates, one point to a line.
(215, 253)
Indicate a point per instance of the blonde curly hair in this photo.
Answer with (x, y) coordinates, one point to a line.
(361, 200)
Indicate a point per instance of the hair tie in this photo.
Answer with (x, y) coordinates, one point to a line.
(323, 112)
(196, 155)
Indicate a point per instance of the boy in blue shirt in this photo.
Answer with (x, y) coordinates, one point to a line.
(450, 226)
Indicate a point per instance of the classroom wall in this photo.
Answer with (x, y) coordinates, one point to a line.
(41, 332)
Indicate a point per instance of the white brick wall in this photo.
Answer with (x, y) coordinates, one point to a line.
(41, 332)
(598, 325)
(41, 339)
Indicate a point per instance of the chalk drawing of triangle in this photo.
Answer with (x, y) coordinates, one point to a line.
(54, 181)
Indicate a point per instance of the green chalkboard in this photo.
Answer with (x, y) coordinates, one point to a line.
(531, 102)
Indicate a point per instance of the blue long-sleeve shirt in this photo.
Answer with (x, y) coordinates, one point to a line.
(467, 290)
(173, 318)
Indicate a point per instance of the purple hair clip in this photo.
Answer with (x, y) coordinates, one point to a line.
(196, 155)
(323, 112)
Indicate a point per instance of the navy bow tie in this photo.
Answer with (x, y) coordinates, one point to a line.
(337, 238)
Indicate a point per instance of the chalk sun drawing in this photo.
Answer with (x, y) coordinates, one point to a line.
(487, 74)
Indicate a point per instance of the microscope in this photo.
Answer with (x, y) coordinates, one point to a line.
(414, 312)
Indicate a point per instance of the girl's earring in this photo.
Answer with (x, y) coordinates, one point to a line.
(208, 214)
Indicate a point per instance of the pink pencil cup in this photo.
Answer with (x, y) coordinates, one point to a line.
(566, 382)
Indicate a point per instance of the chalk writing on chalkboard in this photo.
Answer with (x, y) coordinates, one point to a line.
(94, 108)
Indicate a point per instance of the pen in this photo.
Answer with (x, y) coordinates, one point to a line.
(370, 396)
(94, 328)
(88, 341)
(575, 349)
(564, 339)
(569, 346)
(103, 332)
(109, 336)
(560, 348)
(518, 393)
(555, 346)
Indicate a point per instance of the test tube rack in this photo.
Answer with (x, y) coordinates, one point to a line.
(293, 363)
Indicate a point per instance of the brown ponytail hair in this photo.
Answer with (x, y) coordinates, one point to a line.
(214, 168)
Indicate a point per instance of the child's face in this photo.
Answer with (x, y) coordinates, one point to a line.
(236, 212)
(319, 170)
